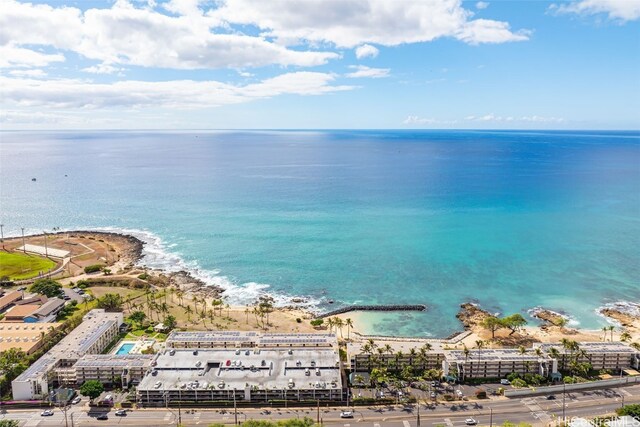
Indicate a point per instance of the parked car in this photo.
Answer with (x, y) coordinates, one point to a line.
(346, 414)
(470, 422)
(102, 417)
(121, 413)
(505, 381)
(551, 397)
(76, 400)
(46, 413)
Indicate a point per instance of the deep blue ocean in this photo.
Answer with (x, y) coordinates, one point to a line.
(511, 220)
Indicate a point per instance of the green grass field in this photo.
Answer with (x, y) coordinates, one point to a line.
(18, 266)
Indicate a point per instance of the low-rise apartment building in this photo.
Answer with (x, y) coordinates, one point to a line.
(97, 330)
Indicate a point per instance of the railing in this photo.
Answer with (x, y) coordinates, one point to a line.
(591, 385)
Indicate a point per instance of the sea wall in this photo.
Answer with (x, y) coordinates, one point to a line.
(393, 307)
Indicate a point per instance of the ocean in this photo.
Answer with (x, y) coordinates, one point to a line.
(510, 220)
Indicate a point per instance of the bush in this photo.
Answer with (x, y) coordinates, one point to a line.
(481, 394)
(448, 397)
(632, 410)
(519, 383)
(143, 276)
(94, 268)
(82, 284)
(298, 320)
(513, 376)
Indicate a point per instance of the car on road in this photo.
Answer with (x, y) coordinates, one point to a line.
(346, 414)
(505, 381)
(46, 413)
(551, 397)
(470, 422)
(121, 413)
(76, 400)
(433, 394)
(102, 417)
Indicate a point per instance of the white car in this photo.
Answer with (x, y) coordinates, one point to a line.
(470, 422)
(346, 414)
(76, 400)
(46, 413)
(505, 381)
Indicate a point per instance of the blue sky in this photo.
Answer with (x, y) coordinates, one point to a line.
(401, 64)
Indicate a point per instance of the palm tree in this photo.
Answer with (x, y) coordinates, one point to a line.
(635, 345)
(247, 311)
(188, 310)
(388, 348)
(611, 329)
(229, 311)
(604, 334)
(349, 323)
(625, 336)
(339, 324)
(330, 323)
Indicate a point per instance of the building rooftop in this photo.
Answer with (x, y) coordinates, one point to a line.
(252, 338)
(9, 299)
(24, 336)
(49, 307)
(228, 369)
(21, 311)
(487, 355)
(591, 347)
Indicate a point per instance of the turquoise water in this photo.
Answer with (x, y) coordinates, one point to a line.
(511, 220)
(125, 348)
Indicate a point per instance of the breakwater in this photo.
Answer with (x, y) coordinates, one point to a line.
(397, 307)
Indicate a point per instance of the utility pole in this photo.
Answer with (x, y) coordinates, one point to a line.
(490, 417)
(418, 419)
(235, 408)
(46, 252)
(318, 413)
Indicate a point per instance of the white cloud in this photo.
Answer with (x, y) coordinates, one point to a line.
(349, 23)
(482, 5)
(125, 34)
(364, 71)
(185, 94)
(33, 72)
(12, 56)
(530, 119)
(103, 69)
(417, 120)
(366, 50)
(622, 10)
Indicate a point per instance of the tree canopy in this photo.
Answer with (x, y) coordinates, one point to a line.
(111, 302)
(91, 389)
(48, 287)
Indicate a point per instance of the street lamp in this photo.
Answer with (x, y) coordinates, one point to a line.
(24, 246)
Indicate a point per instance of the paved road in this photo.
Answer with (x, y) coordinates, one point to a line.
(536, 410)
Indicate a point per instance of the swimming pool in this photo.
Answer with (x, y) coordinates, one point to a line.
(125, 348)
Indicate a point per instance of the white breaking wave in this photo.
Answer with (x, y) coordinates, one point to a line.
(571, 321)
(156, 255)
(626, 307)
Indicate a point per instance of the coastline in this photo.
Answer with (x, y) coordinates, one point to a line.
(130, 263)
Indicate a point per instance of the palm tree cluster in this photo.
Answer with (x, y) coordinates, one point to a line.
(415, 364)
(337, 323)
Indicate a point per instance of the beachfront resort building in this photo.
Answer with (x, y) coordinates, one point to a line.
(97, 330)
(614, 356)
(244, 366)
(495, 363)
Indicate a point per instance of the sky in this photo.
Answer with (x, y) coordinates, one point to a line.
(319, 64)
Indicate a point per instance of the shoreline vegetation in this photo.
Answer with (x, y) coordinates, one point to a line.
(197, 305)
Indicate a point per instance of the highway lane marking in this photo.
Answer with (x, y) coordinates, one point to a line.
(625, 392)
(448, 422)
(376, 425)
(405, 423)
